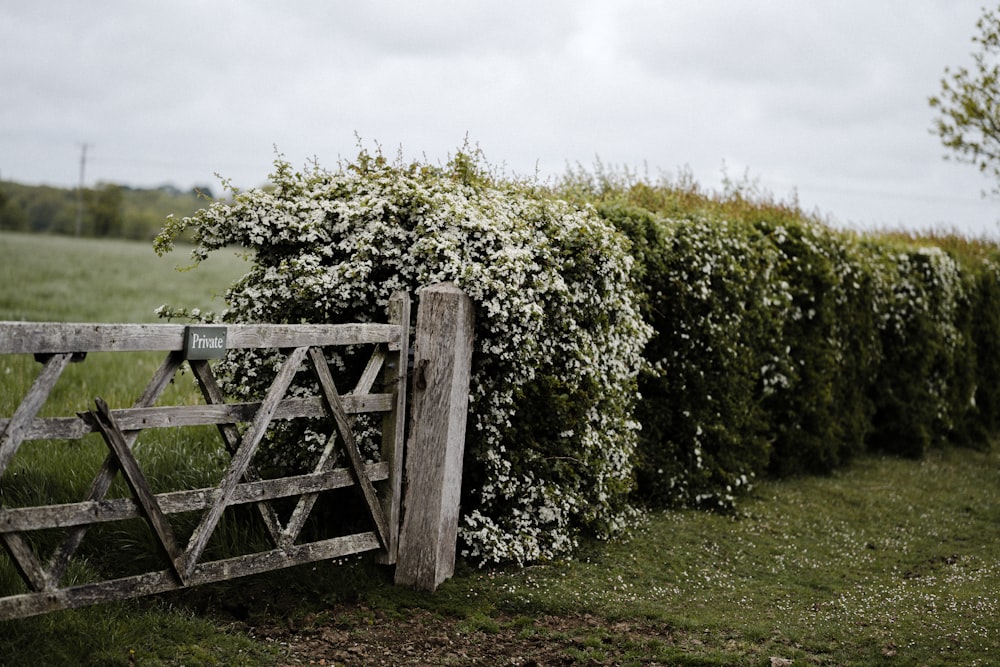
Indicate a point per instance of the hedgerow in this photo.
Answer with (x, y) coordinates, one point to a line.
(558, 332)
(704, 437)
(974, 393)
(784, 346)
(820, 413)
(641, 344)
(923, 388)
(984, 325)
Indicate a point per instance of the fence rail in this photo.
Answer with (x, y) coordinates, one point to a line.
(53, 338)
(57, 345)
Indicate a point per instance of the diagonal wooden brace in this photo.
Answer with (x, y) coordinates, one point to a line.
(10, 440)
(188, 561)
(357, 466)
(11, 437)
(27, 565)
(104, 422)
(326, 460)
(230, 436)
(99, 487)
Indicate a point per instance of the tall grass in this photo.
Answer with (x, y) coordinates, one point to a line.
(59, 279)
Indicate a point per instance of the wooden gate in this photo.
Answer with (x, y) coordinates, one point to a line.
(301, 346)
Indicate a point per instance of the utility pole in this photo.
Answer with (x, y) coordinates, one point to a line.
(79, 191)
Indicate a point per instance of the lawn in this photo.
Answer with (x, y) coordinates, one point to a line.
(63, 279)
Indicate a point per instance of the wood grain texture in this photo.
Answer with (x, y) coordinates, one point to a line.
(20, 519)
(58, 337)
(32, 604)
(443, 350)
(57, 344)
(394, 426)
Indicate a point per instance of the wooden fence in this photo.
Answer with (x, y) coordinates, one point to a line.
(441, 373)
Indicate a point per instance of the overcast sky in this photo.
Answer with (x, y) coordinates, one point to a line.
(826, 99)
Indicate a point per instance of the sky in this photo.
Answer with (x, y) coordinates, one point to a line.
(822, 101)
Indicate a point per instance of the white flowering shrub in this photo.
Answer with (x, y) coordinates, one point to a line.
(705, 436)
(818, 390)
(772, 344)
(925, 385)
(558, 331)
(783, 346)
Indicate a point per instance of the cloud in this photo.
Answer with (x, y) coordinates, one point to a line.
(825, 93)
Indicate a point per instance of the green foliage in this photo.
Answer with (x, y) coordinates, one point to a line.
(558, 334)
(784, 346)
(973, 395)
(104, 207)
(968, 101)
(817, 400)
(108, 210)
(984, 327)
(921, 392)
(703, 437)
(38, 209)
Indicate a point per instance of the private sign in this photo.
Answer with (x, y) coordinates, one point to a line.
(204, 342)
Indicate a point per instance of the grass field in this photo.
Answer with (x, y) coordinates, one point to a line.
(888, 562)
(62, 279)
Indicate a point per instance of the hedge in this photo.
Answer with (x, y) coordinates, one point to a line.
(636, 344)
(783, 346)
(558, 331)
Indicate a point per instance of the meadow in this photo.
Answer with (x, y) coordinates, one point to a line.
(889, 561)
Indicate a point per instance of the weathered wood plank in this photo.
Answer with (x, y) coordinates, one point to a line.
(32, 604)
(21, 519)
(241, 459)
(303, 335)
(105, 423)
(232, 413)
(102, 482)
(27, 565)
(306, 501)
(212, 393)
(58, 337)
(442, 364)
(60, 342)
(12, 433)
(368, 376)
(394, 425)
(132, 419)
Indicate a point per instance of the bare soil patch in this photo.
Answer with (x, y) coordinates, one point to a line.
(355, 636)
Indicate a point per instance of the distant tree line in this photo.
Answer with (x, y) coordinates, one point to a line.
(105, 211)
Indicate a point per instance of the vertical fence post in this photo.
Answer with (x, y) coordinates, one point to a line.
(394, 423)
(441, 369)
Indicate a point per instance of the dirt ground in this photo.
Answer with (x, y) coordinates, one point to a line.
(371, 638)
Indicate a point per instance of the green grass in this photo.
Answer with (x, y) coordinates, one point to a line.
(891, 562)
(62, 279)
(149, 634)
(890, 559)
(888, 562)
